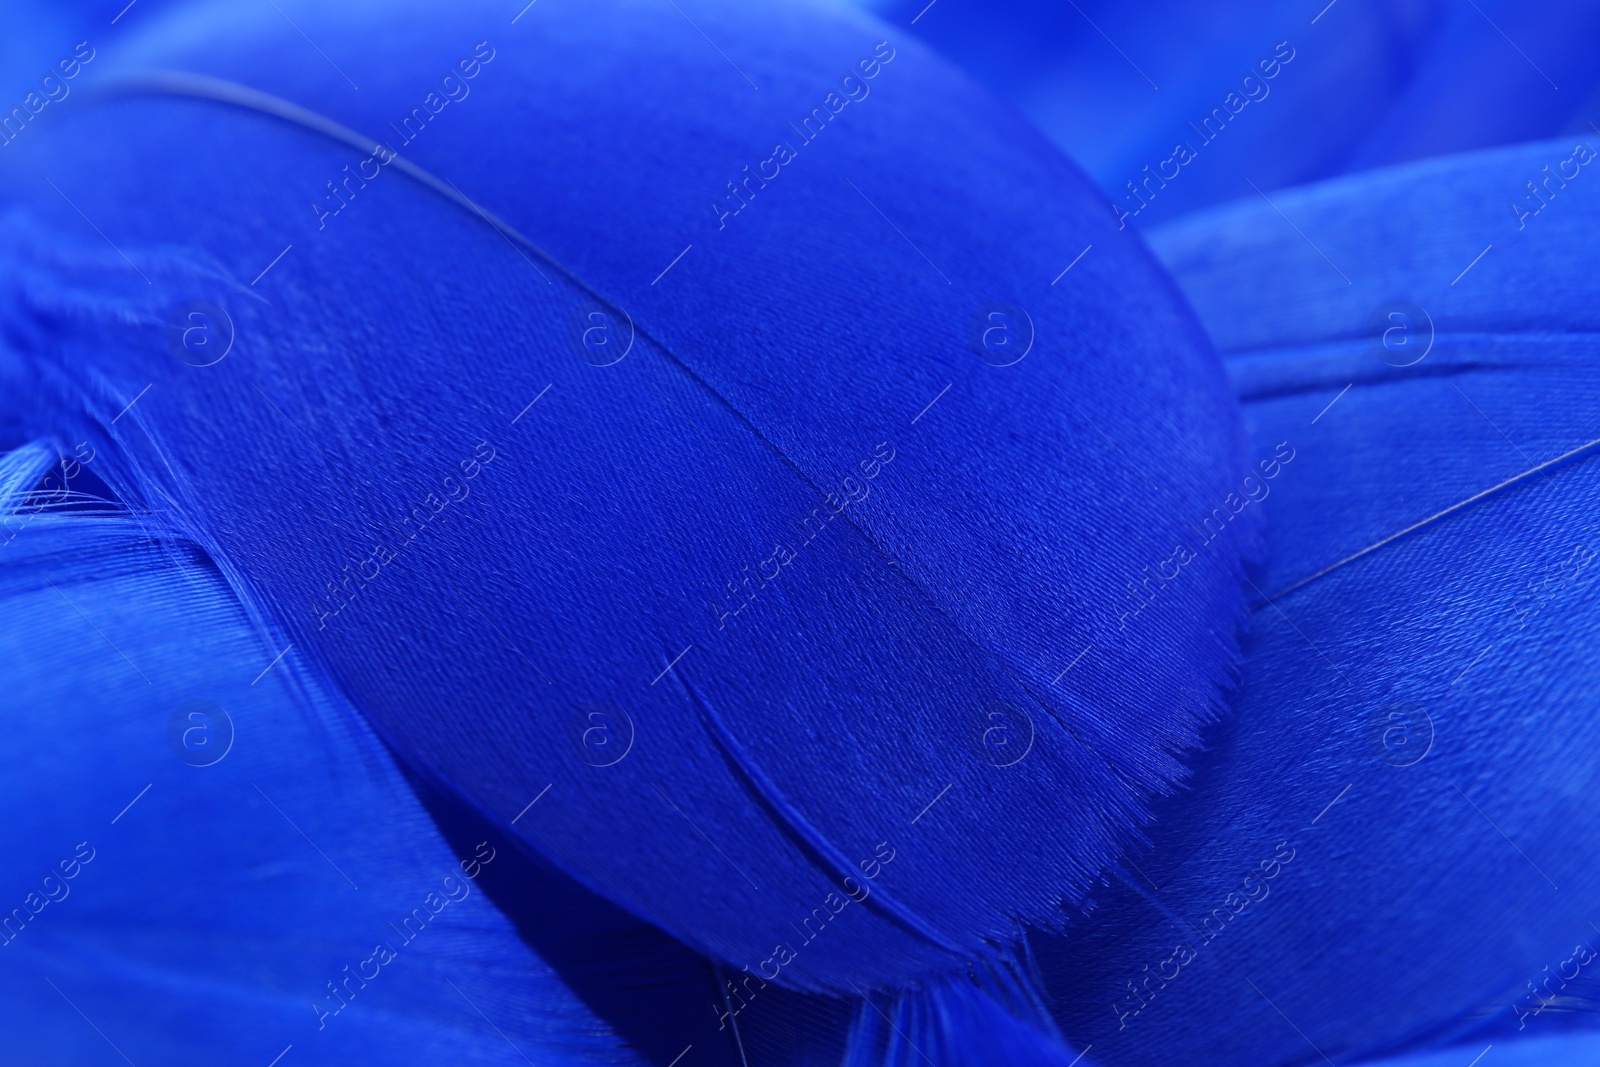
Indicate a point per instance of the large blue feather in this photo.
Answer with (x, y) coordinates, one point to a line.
(1415, 725)
(979, 648)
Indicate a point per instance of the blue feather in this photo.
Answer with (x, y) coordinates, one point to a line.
(1371, 855)
(848, 562)
(1561, 1050)
(1369, 83)
(185, 889)
(986, 1015)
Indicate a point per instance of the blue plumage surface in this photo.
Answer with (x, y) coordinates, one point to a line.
(217, 901)
(1412, 722)
(668, 533)
(1316, 90)
(626, 513)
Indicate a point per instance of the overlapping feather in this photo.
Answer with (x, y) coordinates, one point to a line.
(217, 888)
(1390, 842)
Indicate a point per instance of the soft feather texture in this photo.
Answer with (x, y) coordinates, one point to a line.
(986, 592)
(1561, 1050)
(218, 901)
(1419, 898)
(985, 1015)
(1371, 83)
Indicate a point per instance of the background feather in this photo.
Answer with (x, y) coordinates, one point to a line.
(1370, 83)
(1367, 83)
(1390, 843)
